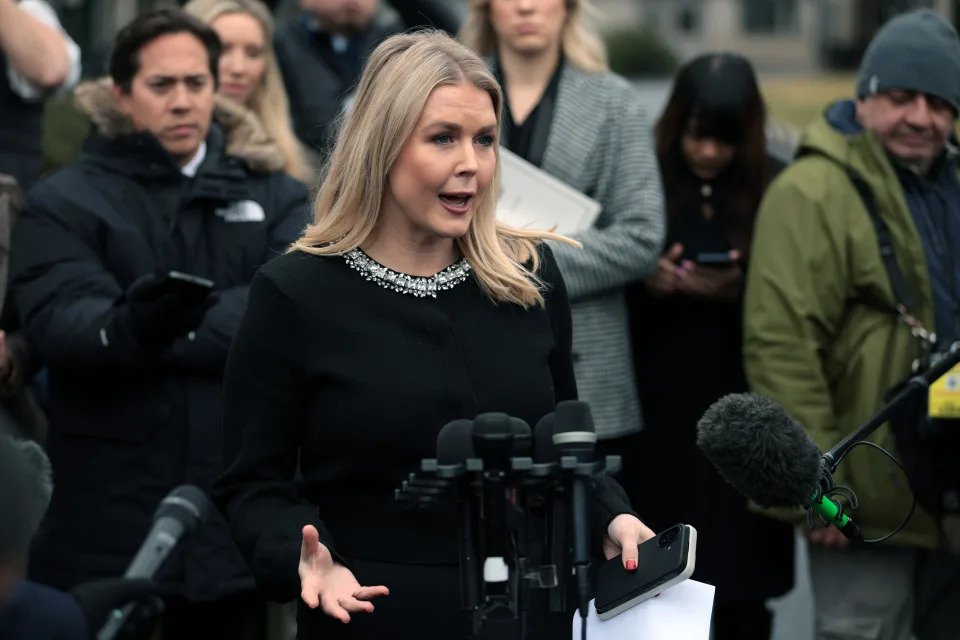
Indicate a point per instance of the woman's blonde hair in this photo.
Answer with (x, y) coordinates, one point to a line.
(399, 77)
(580, 45)
(269, 100)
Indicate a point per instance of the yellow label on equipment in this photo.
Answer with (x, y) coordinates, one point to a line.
(944, 400)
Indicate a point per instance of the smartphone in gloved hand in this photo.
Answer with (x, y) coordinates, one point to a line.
(663, 561)
(192, 287)
(160, 307)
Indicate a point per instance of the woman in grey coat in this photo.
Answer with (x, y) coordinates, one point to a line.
(573, 118)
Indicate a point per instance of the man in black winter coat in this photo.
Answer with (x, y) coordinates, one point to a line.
(169, 179)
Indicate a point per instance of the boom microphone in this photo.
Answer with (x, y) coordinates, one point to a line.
(178, 513)
(768, 457)
(759, 449)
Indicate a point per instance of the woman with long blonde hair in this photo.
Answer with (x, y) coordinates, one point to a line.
(403, 307)
(565, 113)
(249, 74)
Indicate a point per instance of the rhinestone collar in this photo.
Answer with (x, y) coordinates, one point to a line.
(417, 286)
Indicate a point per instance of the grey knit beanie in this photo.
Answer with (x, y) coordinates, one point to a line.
(25, 489)
(915, 51)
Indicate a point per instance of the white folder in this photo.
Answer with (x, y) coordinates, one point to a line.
(531, 198)
(682, 612)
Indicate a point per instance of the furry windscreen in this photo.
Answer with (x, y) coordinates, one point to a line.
(760, 450)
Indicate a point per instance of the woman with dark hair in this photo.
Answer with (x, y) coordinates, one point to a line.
(686, 324)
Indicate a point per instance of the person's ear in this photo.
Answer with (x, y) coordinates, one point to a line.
(122, 98)
(861, 106)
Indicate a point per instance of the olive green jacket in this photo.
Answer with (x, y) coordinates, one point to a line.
(812, 342)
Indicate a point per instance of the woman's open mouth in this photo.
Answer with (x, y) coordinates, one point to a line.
(456, 202)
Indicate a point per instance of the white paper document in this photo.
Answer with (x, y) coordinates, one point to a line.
(531, 198)
(682, 612)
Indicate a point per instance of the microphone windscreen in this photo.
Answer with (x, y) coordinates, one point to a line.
(187, 504)
(455, 442)
(493, 424)
(519, 427)
(759, 449)
(522, 437)
(493, 438)
(573, 432)
(543, 450)
(573, 415)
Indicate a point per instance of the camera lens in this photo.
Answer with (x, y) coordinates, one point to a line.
(669, 536)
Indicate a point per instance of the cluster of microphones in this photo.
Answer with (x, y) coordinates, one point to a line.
(488, 465)
(494, 467)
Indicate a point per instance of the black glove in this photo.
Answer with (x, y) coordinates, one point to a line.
(159, 310)
(99, 597)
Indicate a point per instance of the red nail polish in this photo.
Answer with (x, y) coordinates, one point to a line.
(631, 565)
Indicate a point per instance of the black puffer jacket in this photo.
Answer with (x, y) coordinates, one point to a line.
(127, 425)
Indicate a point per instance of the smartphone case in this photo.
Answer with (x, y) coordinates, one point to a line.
(660, 565)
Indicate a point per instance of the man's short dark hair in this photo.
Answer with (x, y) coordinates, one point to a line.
(148, 26)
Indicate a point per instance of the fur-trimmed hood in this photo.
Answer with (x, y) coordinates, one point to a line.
(246, 139)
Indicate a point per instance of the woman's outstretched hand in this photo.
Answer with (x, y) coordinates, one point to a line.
(330, 585)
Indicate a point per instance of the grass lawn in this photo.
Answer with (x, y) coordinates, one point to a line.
(796, 101)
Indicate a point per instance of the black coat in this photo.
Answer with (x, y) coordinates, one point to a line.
(127, 425)
(350, 383)
(318, 80)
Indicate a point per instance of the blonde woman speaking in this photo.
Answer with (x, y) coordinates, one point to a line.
(404, 306)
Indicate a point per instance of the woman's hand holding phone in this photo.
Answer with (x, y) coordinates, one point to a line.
(624, 534)
(663, 281)
(715, 281)
(662, 561)
(328, 584)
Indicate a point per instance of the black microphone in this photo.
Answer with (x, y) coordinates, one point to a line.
(497, 437)
(454, 447)
(543, 449)
(768, 457)
(574, 435)
(178, 513)
(455, 442)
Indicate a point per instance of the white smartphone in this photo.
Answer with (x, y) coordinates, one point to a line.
(664, 560)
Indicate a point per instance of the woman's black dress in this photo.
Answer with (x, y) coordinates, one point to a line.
(688, 355)
(356, 380)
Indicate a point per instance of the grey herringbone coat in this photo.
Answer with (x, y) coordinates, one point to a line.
(600, 144)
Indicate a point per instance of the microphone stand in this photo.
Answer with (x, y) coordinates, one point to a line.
(917, 384)
(832, 510)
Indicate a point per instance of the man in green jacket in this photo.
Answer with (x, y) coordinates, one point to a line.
(821, 336)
